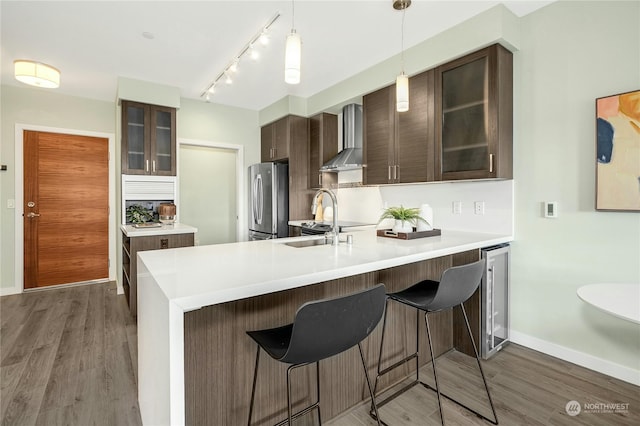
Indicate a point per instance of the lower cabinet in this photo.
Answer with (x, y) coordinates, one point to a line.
(130, 248)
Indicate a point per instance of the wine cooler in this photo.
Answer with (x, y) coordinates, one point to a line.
(495, 300)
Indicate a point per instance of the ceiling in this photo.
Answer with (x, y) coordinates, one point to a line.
(92, 43)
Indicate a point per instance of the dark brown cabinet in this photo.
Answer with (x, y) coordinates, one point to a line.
(274, 140)
(323, 146)
(130, 248)
(287, 140)
(474, 126)
(399, 147)
(148, 139)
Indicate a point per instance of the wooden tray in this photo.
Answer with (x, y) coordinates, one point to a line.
(408, 235)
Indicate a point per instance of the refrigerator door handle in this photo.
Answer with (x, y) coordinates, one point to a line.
(260, 200)
(254, 197)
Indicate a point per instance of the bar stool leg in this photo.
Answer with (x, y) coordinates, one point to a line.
(318, 392)
(371, 392)
(253, 388)
(433, 363)
(475, 350)
(289, 409)
(384, 327)
(417, 345)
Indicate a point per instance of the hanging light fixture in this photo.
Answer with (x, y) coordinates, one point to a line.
(293, 52)
(36, 74)
(402, 81)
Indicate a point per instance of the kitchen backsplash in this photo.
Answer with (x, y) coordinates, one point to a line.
(365, 204)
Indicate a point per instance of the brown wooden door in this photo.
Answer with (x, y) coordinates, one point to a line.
(66, 209)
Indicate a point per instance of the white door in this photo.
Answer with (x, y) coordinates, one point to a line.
(208, 198)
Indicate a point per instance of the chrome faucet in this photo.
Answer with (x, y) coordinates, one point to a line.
(334, 203)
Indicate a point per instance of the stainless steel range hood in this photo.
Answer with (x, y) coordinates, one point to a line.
(350, 158)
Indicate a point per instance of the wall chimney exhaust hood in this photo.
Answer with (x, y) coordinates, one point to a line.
(350, 158)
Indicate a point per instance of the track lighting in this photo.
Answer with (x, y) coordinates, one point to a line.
(261, 36)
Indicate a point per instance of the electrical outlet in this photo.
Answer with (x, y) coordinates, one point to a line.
(457, 207)
(479, 207)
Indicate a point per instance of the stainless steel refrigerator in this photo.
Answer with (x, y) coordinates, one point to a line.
(268, 201)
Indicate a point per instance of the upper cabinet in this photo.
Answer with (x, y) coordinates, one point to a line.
(399, 146)
(323, 146)
(474, 126)
(275, 139)
(148, 139)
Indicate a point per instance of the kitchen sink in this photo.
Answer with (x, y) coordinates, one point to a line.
(309, 243)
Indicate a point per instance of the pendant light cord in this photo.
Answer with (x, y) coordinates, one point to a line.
(402, 41)
(293, 14)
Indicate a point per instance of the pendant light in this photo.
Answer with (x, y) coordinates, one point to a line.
(402, 81)
(293, 52)
(36, 74)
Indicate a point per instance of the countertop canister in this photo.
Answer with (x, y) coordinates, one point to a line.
(426, 212)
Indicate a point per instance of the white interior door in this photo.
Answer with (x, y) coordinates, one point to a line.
(208, 192)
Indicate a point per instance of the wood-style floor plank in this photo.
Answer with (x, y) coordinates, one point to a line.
(69, 362)
(69, 357)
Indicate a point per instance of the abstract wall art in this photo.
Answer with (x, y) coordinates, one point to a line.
(618, 152)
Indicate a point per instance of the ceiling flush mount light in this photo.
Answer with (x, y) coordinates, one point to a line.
(36, 74)
(292, 53)
(402, 81)
(250, 49)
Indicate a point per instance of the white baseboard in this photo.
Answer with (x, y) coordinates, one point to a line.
(7, 291)
(582, 359)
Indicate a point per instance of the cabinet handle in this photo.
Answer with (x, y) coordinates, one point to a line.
(320, 179)
(146, 167)
(153, 164)
(397, 173)
(490, 163)
(388, 172)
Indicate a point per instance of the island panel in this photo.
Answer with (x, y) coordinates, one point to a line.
(219, 357)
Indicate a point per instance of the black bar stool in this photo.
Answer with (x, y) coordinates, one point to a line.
(321, 329)
(456, 285)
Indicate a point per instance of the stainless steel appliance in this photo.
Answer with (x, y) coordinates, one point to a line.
(268, 201)
(350, 158)
(495, 300)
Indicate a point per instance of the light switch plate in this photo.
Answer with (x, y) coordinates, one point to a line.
(11, 203)
(457, 207)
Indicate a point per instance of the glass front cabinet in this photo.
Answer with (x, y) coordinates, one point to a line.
(474, 123)
(148, 139)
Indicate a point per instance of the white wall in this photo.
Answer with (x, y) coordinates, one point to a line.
(571, 54)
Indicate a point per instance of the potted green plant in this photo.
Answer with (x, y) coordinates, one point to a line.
(405, 218)
(136, 213)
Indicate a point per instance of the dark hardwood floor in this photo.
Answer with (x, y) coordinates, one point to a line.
(68, 357)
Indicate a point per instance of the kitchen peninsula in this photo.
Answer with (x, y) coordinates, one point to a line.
(195, 362)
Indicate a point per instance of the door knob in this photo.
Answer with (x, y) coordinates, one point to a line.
(32, 214)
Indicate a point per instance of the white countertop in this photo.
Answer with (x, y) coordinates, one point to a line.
(176, 228)
(620, 300)
(193, 277)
